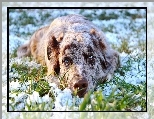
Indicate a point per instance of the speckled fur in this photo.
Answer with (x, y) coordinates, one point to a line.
(74, 45)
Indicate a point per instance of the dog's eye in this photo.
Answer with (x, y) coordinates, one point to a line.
(91, 59)
(67, 61)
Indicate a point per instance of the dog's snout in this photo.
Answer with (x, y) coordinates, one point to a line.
(81, 87)
(81, 84)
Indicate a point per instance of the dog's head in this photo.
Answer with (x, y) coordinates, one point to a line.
(82, 56)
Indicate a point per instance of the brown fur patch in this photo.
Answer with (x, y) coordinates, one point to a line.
(93, 31)
(53, 42)
(66, 47)
(102, 45)
(60, 38)
(69, 46)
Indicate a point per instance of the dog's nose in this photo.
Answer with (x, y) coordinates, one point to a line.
(81, 87)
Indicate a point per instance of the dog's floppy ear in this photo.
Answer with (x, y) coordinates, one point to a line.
(110, 58)
(113, 58)
(110, 62)
(52, 47)
(52, 55)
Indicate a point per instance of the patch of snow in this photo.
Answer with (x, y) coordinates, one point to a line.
(34, 98)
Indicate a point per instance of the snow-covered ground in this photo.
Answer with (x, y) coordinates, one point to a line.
(120, 29)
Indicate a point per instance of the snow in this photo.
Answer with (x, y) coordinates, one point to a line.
(34, 98)
(64, 97)
(14, 85)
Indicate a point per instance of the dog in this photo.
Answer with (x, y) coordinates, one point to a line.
(73, 47)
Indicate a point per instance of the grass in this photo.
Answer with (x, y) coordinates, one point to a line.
(36, 83)
(123, 96)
